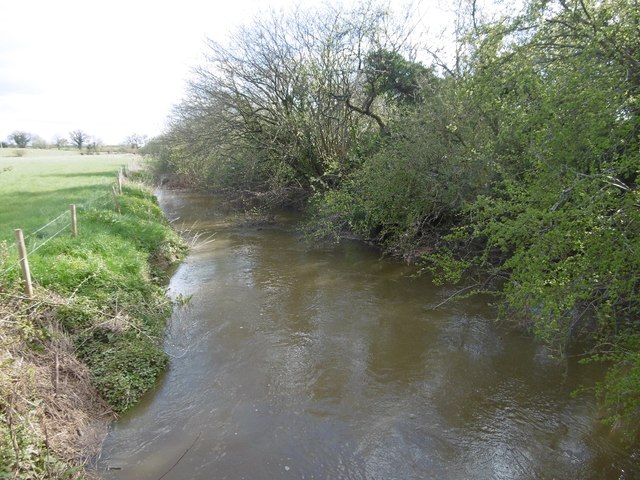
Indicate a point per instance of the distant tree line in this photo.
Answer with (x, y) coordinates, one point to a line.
(511, 168)
(77, 138)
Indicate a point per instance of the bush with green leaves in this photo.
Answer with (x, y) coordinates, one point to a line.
(560, 225)
(518, 174)
(420, 177)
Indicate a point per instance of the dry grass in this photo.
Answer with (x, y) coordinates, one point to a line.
(45, 390)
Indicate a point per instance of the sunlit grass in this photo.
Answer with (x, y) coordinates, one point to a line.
(36, 188)
(38, 152)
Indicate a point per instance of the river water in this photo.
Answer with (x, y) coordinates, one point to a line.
(302, 361)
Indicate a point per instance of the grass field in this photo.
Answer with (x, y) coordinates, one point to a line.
(16, 153)
(40, 185)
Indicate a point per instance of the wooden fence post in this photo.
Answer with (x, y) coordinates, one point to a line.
(24, 263)
(115, 198)
(74, 221)
(120, 181)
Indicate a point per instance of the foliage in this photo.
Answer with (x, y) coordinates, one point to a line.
(38, 142)
(135, 141)
(420, 177)
(619, 390)
(561, 222)
(126, 368)
(60, 142)
(23, 457)
(389, 73)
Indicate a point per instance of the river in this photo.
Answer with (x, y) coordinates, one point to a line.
(302, 361)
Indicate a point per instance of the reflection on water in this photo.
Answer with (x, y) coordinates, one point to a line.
(295, 361)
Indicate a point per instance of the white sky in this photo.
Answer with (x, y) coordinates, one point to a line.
(108, 67)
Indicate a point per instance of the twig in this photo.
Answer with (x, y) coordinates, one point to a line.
(454, 295)
(181, 457)
(56, 377)
(84, 280)
(12, 432)
(47, 446)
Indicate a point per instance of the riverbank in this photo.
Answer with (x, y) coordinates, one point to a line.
(88, 344)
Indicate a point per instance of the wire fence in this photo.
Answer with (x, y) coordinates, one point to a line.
(44, 234)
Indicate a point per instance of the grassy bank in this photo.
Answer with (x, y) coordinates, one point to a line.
(89, 343)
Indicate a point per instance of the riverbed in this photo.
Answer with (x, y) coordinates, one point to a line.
(292, 359)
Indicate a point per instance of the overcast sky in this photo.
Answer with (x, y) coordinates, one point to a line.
(108, 67)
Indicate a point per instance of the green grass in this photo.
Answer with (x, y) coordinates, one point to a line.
(14, 152)
(111, 275)
(114, 272)
(38, 187)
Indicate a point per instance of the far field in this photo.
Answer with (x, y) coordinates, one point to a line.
(39, 186)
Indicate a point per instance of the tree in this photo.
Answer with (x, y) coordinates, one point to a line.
(78, 138)
(388, 75)
(559, 222)
(60, 142)
(283, 103)
(38, 142)
(136, 141)
(517, 172)
(93, 145)
(20, 138)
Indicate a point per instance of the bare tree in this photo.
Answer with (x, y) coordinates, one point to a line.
(20, 138)
(60, 142)
(136, 141)
(38, 142)
(79, 138)
(295, 90)
(93, 145)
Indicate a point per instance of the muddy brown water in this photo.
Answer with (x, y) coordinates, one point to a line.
(302, 361)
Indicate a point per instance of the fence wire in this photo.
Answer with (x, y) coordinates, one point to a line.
(16, 263)
(67, 225)
(45, 226)
(85, 205)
